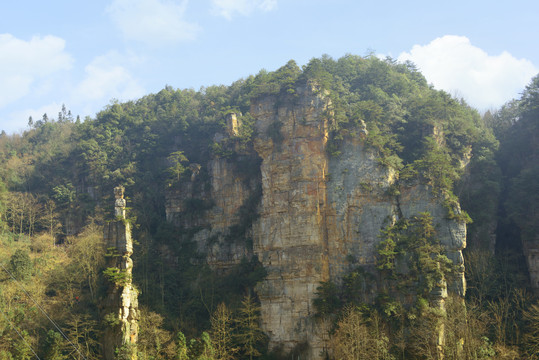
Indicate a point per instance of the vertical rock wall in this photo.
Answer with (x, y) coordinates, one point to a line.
(223, 198)
(531, 252)
(290, 237)
(120, 308)
(321, 216)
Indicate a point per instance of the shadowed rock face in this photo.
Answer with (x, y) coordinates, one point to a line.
(319, 216)
(531, 251)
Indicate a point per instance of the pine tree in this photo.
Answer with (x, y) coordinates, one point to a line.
(249, 335)
(221, 333)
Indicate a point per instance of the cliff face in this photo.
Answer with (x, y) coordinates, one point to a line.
(215, 208)
(319, 216)
(531, 251)
(291, 237)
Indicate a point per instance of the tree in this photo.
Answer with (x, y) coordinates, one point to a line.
(354, 338)
(83, 331)
(531, 336)
(221, 333)
(250, 336)
(21, 348)
(181, 347)
(154, 342)
(22, 211)
(21, 265)
(51, 219)
(89, 250)
(64, 194)
(208, 352)
(53, 346)
(177, 168)
(201, 349)
(4, 354)
(327, 299)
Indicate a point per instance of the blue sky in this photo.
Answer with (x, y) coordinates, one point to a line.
(85, 53)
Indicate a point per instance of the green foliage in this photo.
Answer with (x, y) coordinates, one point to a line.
(387, 252)
(517, 158)
(64, 194)
(280, 82)
(201, 349)
(436, 166)
(117, 276)
(454, 212)
(181, 347)
(479, 192)
(327, 299)
(21, 265)
(53, 346)
(522, 204)
(177, 168)
(5, 355)
(21, 348)
(424, 266)
(400, 299)
(125, 352)
(111, 319)
(358, 287)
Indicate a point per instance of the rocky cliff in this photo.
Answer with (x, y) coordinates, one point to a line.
(120, 307)
(318, 216)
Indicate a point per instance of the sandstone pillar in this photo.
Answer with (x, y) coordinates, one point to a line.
(120, 310)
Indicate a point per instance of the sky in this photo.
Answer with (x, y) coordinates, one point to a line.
(87, 54)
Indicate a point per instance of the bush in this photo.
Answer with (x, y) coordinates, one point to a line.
(21, 265)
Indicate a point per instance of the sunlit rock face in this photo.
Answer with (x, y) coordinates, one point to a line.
(319, 214)
(120, 307)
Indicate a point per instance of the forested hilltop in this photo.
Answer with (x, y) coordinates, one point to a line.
(56, 193)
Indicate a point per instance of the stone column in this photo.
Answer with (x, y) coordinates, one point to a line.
(120, 308)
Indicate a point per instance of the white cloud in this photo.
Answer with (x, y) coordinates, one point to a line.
(155, 22)
(453, 64)
(28, 64)
(227, 8)
(105, 79)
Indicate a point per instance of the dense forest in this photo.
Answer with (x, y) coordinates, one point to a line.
(57, 177)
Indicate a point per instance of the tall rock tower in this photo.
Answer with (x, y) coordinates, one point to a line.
(120, 313)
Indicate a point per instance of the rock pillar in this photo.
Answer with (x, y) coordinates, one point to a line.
(120, 313)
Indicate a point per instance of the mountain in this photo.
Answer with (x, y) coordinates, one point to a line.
(341, 188)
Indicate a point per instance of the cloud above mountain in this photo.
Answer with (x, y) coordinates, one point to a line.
(229, 8)
(154, 22)
(29, 65)
(484, 80)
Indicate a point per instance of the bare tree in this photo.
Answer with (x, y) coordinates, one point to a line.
(249, 333)
(221, 333)
(358, 337)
